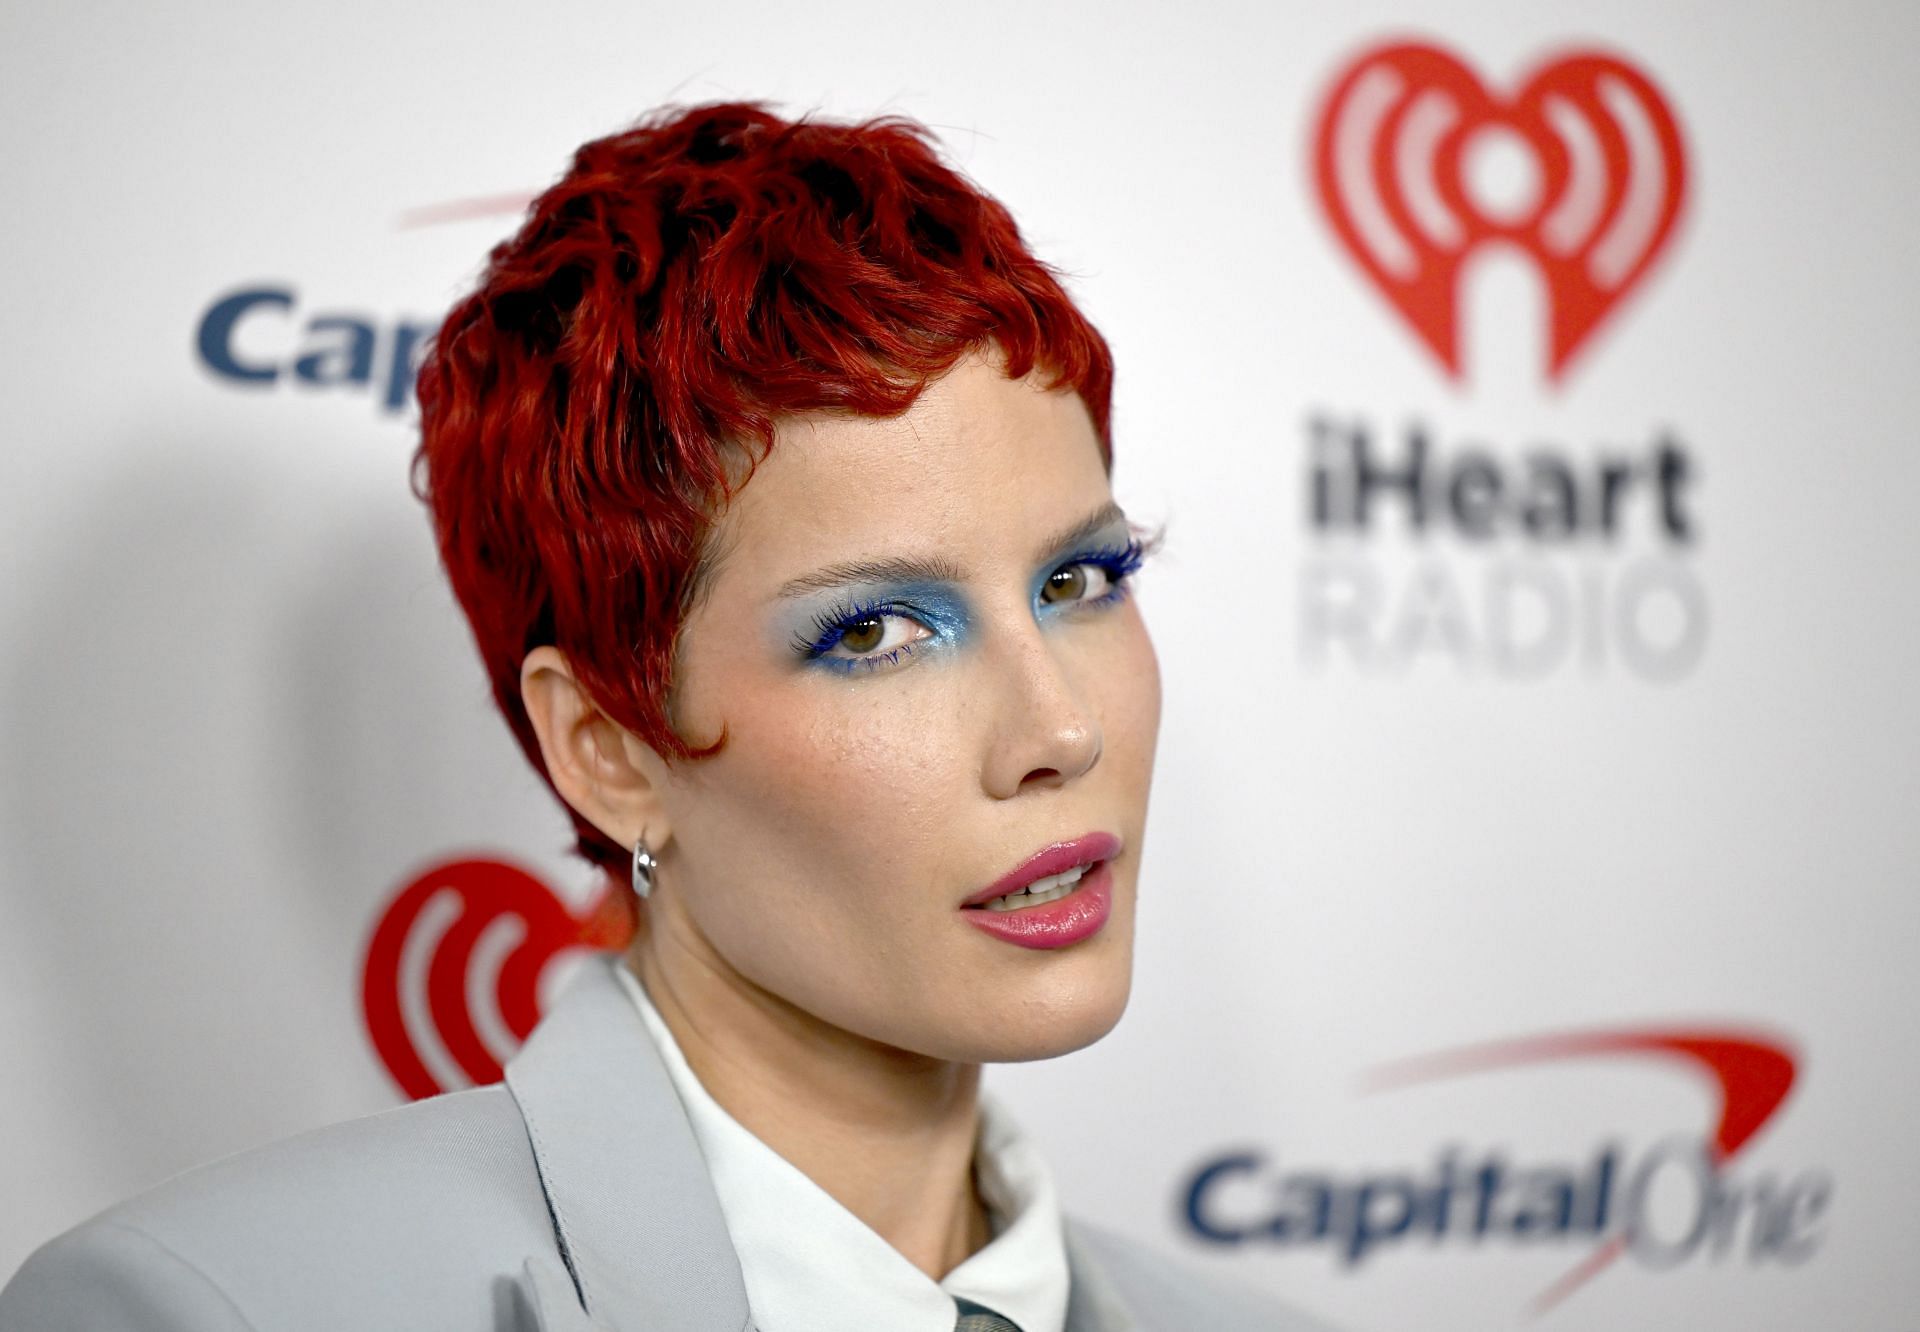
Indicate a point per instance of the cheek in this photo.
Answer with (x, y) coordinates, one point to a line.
(819, 835)
(1129, 685)
(838, 779)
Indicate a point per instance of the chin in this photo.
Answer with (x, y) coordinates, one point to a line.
(1067, 1014)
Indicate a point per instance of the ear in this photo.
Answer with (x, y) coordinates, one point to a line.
(613, 778)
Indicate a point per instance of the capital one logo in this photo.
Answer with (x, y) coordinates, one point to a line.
(459, 963)
(1418, 165)
(1677, 1202)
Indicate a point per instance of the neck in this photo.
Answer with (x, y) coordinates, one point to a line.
(889, 1134)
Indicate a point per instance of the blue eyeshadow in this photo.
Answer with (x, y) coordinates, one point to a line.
(813, 627)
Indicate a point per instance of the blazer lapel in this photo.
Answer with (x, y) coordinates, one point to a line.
(1093, 1301)
(634, 1212)
(548, 1301)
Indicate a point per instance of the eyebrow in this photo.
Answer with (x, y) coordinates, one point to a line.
(1086, 529)
(936, 568)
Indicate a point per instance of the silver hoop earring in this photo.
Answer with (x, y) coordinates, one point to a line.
(643, 867)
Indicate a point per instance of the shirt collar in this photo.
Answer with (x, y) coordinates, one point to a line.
(810, 1265)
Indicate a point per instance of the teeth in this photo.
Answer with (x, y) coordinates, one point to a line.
(1065, 877)
(1049, 889)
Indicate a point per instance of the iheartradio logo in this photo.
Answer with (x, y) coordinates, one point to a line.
(1417, 165)
(460, 963)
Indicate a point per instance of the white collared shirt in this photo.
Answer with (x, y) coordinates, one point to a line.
(811, 1265)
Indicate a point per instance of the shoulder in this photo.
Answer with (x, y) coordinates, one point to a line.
(462, 1160)
(1165, 1292)
(307, 1231)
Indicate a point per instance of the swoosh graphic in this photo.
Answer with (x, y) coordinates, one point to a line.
(1751, 1072)
(464, 210)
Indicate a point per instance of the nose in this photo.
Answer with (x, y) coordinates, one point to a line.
(1042, 730)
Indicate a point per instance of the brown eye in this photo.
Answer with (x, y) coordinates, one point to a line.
(864, 635)
(1066, 584)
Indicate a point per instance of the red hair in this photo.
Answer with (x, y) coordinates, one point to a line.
(686, 284)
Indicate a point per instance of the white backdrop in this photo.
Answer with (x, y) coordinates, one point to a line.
(1417, 792)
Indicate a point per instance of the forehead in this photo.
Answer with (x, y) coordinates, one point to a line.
(978, 462)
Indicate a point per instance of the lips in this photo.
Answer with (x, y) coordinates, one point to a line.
(1060, 916)
(1088, 849)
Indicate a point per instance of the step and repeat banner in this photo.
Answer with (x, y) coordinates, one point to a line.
(1529, 922)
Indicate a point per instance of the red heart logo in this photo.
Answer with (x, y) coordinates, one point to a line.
(1600, 170)
(452, 980)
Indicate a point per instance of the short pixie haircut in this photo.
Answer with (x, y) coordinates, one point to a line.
(588, 411)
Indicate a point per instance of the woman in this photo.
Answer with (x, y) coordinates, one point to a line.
(772, 474)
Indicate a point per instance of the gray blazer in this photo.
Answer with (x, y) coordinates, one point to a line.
(514, 1208)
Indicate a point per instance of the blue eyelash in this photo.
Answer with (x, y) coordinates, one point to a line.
(830, 626)
(877, 662)
(1119, 562)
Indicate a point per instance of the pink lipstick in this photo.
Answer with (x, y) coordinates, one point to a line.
(1061, 917)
